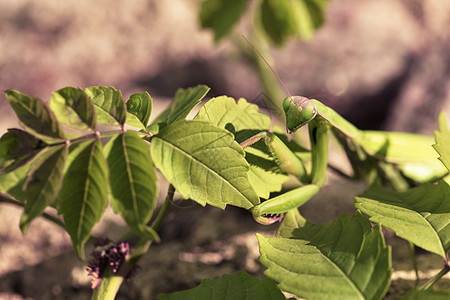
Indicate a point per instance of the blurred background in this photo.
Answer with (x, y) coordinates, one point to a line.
(382, 64)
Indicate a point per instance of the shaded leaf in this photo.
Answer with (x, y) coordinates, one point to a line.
(420, 215)
(12, 182)
(344, 259)
(73, 107)
(240, 287)
(282, 19)
(182, 104)
(43, 183)
(109, 104)
(291, 220)
(133, 181)
(83, 196)
(442, 137)
(35, 116)
(17, 147)
(221, 15)
(139, 108)
(203, 163)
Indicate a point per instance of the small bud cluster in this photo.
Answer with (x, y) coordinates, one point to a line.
(107, 253)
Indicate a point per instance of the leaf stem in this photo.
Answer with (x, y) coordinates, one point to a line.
(164, 208)
(445, 269)
(8, 199)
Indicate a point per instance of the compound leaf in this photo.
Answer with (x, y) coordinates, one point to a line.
(344, 259)
(139, 109)
(109, 104)
(221, 15)
(182, 104)
(83, 195)
(241, 286)
(43, 183)
(442, 137)
(133, 181)
(35, 116)
(420, 215)
(73, 107)
(204, 163)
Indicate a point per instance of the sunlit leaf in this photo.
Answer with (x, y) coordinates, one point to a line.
(43, 183)
(185, 100)
(344, 259)
(241, 286)
(442, 137)
(264, 182)
(12, 182)
(420, 215)
(203, 163)
(17, 147)
(139, 108)
(83, 196)
(109, 104)
(73, 107)
(35, 116)
(221, 15)
(133, 181)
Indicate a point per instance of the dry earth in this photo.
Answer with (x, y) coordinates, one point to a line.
(382, 64)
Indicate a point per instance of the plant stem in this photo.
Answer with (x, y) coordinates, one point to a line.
(445, 269)
(8, 199)
(414, 261)
(164, 208)
(109, 286)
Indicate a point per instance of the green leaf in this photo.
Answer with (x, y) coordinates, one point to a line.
(73, 107)
(35, 116)
(109, 104)
(427, 295)
(182, 104)
(442, 145)
(282, 19)
(420, 215)
(83, 196)
(291, 220)
(223, 110)
(221, 15)
(139, 109)
(43, 183)
(17, 147)
(264, 182)
(344, 259)
(11, 183)
(203, 163)
(133, 181)
(240, 287)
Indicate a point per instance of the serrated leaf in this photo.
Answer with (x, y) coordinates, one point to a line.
(282, 19)
(442, 137)
(35, 116)
(223, 110)
(73, 107)
(17, 147)
(264, 182)
(427, 295)
(139, 109)
(133, 181)
(83, 196)
(344, 259)
(241, 286)
(203, 163)
(420, 215)
(43, 183)
(221, 15)
(109, 104)
(182, 104)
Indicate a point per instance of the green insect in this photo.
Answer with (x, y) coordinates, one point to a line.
(394, 157)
